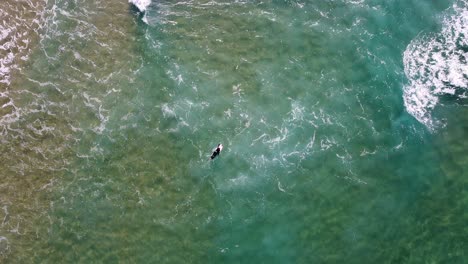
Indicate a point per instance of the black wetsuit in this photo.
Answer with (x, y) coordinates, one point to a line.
(215, 153)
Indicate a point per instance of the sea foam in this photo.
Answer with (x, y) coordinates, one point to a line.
(140, 4)
(436, 65)
(20, 24)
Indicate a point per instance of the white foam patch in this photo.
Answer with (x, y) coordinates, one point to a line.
(140, 4)
(167, 111)
(437, 65)
(4, 245)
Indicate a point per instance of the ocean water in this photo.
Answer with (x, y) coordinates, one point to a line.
(344, 125)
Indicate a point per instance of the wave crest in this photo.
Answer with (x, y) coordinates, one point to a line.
(140, 4)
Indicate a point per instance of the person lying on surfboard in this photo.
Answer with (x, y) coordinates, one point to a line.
(217, 151)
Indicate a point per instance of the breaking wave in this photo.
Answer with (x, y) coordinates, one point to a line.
(140, 4)
(436, 65)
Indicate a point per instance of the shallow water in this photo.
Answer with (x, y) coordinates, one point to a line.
(329, 153)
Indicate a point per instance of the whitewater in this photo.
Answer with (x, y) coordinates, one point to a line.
(436, 64)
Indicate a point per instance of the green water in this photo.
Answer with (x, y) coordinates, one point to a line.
(108, 158)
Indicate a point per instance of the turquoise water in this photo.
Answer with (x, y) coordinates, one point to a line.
(343, 125)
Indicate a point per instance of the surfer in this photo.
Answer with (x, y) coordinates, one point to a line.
(217, 151)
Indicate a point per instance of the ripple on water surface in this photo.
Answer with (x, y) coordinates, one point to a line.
(108, 129)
